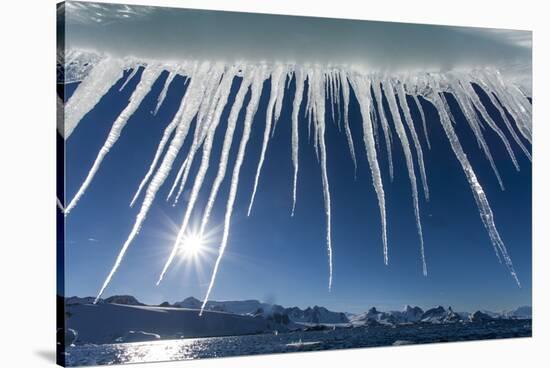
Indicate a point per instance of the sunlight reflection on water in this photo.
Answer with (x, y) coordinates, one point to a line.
(186, 349)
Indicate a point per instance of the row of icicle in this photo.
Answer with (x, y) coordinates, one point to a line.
(208, 86)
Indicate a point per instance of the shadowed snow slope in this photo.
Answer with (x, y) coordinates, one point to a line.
(104, 323)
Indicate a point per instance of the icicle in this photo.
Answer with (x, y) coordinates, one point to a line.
(225, 90)
(330, 84)
(345, 95)
(409, 161)
(524, 105)
(419, 107)
(248, 75)
(279, 100)
(187, 110)
(319, 107)
(309, 109)
(164, 91)
(408, 120)
(372, 113)
(471, 118)
(256, 91)
(165, 136)
(202, 125)
(519, 114)
(212, 117)
(59, 115)
(487, 88)
(300, 78)
(361, 87)
(481, 108)
(384, 122)
(312, 111)
(181, 176)
(337, 84)
(148, 77)
(98, 82)
(60, 205)
(485, 211)
(275, 80)
(130, 77)
(289, 78)
(208, 105)
(208, 88)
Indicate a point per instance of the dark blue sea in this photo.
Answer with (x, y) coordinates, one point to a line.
(343, 338)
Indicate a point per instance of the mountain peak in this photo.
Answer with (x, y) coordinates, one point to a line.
(191, 299)
(123, 299)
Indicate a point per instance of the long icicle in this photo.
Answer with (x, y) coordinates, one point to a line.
(362, 86)
(524, 105)
(164, 91)
(408, 120)
(165, 137)
(300, 78)
(275, 80)
(256, 91)
(384, 122)
(88, 93)
(518, 113)
(187, 110)
(337, 85)
(131, 76)
(389, 92)
(319, 107)
(345, 96)
(225, 90)
(471, 117)
(149, 76)
(205, 120)
(487, 89)
(472, 94)
(207, 95)
(202, 125)
(279, 100)
(485, 211)
(248, 75)
(423, 117)
(450, 116)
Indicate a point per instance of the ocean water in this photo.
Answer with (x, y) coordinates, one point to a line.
(185, 349)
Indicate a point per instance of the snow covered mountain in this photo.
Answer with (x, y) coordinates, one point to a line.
(523, 312)
(250, 307)
(409, 315)
(295, 317)
(440, 315)
(115, 299)
(479, 316)
(315, 315)
(412, 314)
(310, 315)
(74, 300)
(123, 299)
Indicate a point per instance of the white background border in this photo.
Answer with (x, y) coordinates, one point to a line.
(27, 181)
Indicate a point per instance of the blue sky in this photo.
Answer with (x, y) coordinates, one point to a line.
(277, 258)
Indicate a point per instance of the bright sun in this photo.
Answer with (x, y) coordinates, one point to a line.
(192, 246)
